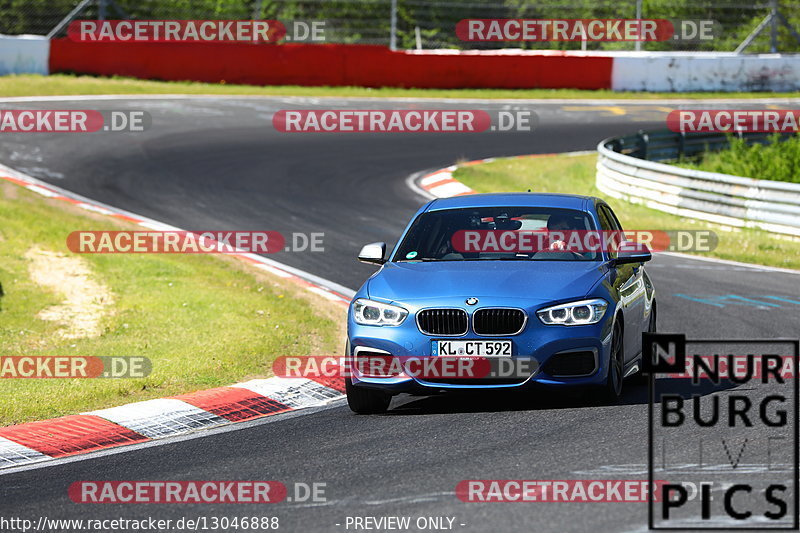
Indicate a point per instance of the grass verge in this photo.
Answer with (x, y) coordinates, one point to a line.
(203, 321)
(576, 175)
(65, 84)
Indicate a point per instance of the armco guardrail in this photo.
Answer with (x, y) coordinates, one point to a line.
(628, 168)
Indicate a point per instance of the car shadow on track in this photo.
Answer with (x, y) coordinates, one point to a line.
(543, 399)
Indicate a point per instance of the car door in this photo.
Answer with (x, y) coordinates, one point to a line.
(629, 284)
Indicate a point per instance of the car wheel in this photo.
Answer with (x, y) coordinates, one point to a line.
(366, 401)
(639, 377)
(616, 364)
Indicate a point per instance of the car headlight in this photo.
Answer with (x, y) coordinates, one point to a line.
(371, 313)
(574, 313)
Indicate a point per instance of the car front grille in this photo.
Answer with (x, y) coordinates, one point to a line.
(442, 321)
(477, 381)
(498, 321)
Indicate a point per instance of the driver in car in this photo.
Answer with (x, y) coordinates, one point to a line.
(560, 223)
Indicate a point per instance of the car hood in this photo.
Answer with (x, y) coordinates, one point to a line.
(536, 281)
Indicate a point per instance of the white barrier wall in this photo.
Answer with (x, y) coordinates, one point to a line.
(24, 54)
(705, 71)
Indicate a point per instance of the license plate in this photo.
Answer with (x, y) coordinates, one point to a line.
(473, 348)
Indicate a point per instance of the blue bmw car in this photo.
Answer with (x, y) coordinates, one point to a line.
(575, 317)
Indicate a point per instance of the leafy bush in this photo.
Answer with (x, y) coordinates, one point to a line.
(775, 160)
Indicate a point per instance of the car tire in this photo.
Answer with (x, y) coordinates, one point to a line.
(364, 401)
(640, 378)
(612, 389)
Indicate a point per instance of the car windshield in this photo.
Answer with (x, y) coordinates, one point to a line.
(494, 233)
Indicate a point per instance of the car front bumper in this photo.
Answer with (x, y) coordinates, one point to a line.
(537, 341)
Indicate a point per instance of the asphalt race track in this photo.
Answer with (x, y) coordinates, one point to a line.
(209, 164)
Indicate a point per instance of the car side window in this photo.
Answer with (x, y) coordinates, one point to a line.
(613, 218)
(608, 223)
(605, 223)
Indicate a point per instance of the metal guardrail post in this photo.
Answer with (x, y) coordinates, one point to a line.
(257, 9)
(773, 27)
(393, 24)
(644, 140)
(638, 43)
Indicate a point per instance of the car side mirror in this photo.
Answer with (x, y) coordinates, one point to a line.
(373, 253)
(632, 252)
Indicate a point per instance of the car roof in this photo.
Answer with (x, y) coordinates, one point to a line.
(514, 199)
